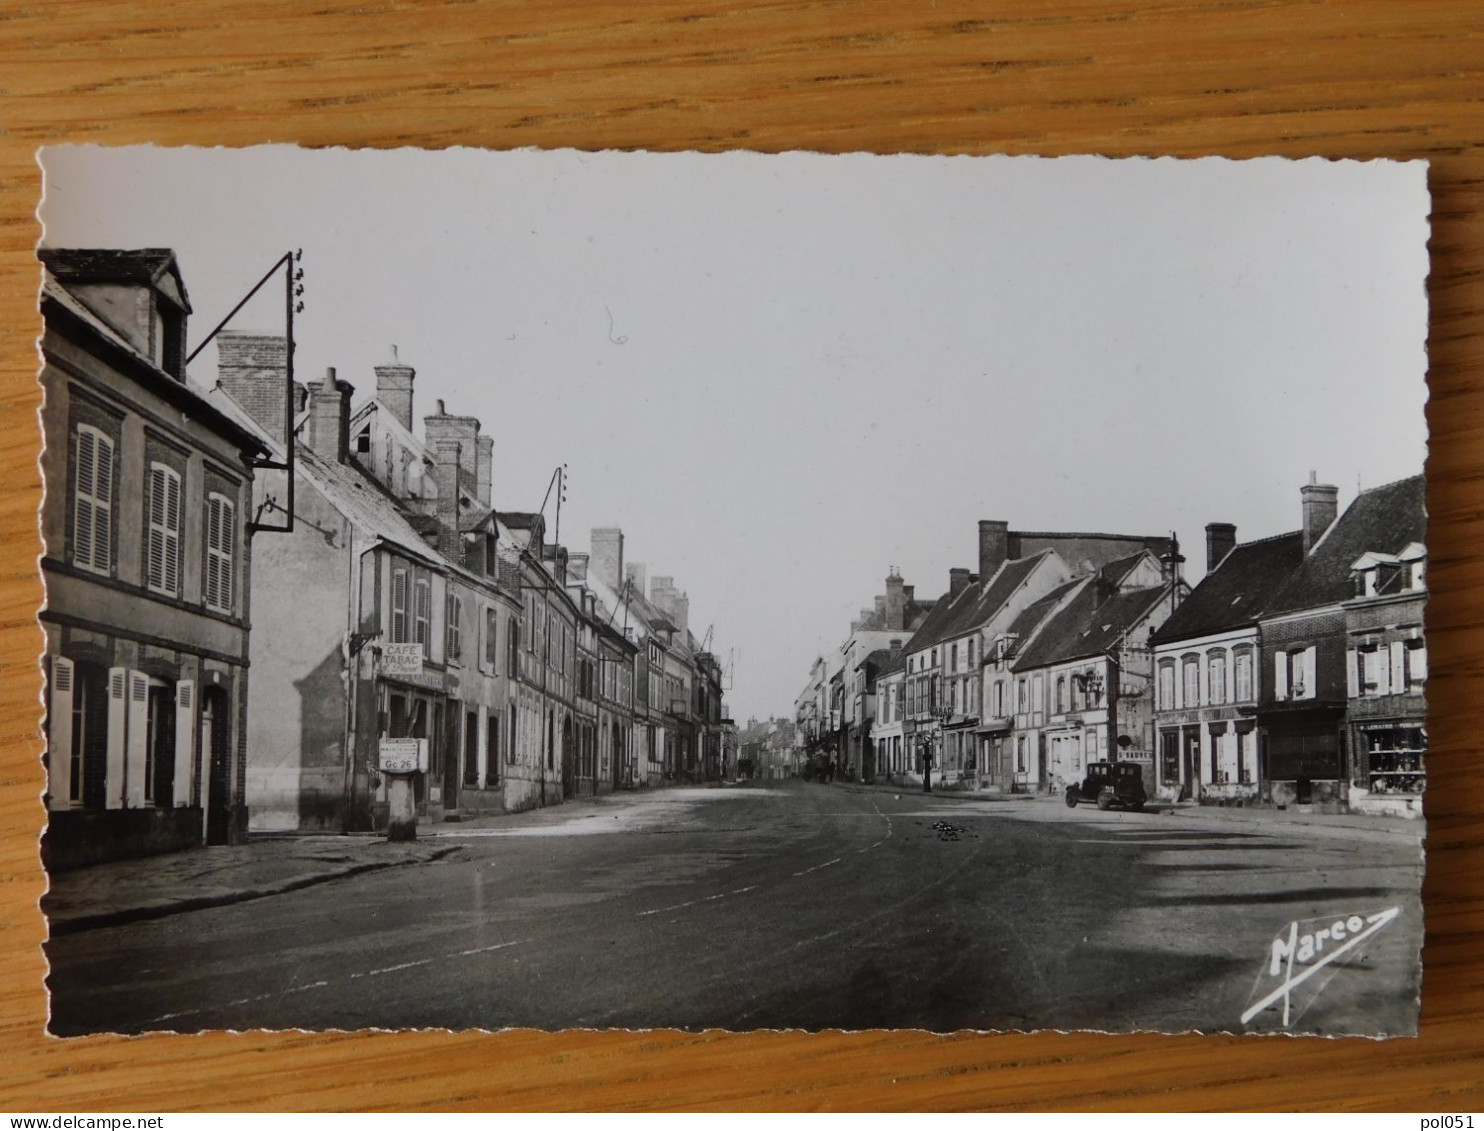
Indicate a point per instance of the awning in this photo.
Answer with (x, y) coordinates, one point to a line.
(995, 726)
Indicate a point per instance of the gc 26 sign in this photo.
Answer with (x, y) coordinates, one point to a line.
(403, 755)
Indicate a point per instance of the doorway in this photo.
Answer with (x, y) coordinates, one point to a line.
(216, 756)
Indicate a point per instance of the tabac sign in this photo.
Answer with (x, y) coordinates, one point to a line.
(401, 659)
(402, 755)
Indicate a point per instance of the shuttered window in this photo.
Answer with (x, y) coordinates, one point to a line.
(221, 541)
(491, 640)
(423, 598)
(453, 609)
(92, 501)
(399, 606)
(162, 531)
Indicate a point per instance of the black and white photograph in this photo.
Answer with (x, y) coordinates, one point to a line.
(623, 590)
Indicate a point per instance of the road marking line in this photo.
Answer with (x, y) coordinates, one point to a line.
(693, 902)
(485, 949)
(394, 969)
(817, 867)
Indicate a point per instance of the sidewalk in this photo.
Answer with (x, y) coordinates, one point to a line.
(126, 891)
(1250, 815)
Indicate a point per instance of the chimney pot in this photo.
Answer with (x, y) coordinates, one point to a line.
(1321, 505)
(994, 546)
(958, 581)
(1221, 539)
(394, 389)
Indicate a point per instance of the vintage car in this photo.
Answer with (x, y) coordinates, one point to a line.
(1109, 784)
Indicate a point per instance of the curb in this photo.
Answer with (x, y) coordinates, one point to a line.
(123, 915)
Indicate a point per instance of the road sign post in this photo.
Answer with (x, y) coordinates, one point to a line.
(401, 759)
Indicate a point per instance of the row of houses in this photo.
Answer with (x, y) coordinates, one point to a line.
(251, 586)
(1291, 674)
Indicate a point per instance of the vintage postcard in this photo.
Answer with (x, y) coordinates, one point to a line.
(627, 590)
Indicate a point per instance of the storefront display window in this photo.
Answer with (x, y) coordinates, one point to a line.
(1396, 758)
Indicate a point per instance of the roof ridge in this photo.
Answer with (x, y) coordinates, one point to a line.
(1394, 483)
(1088, 534)
(1269, 538)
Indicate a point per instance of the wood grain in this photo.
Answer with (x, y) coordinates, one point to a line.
(1358, 79)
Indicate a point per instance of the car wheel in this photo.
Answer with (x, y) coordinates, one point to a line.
(1138, 806)
(1104, 801)
(1071, 797)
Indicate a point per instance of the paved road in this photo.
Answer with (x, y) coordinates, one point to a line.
(797, 905)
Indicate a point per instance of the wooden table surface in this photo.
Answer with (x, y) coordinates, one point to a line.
(1359, 78)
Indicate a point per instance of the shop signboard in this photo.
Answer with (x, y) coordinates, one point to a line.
(401, 659)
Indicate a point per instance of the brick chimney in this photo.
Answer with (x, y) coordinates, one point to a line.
(1221, 539)
(606, 543)
(559, 565)
(1321, 505)
(252, 370)
(895, 601)
(394, 388)
(994, 546)
(896, 649)
(634, 574)
(485, 465)
(327, 431)
(462, 429)
(446, 475)
(958, 581)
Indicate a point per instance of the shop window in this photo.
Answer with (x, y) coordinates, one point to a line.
(1169, 756)
(1396, 758)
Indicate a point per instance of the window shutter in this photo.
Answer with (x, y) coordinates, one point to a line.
(172, 533)
(185, 741)
(82, 497)
(1280, 674)
(1383, 671)
(1417, 665)
(399, 606)
(59, 734)
(1352, 673)
(138, 739)
(221, 536)
(1310, 691)
(93, 501)
(1398, 667)
(154, 570)
(118, 725)
(228, 536)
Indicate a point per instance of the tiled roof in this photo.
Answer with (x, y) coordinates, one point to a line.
(1385, 519)
(1088, 626)
(1032, 616)
(1235, 592)
(976, 604)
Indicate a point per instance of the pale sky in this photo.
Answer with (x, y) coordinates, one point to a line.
(781, 375)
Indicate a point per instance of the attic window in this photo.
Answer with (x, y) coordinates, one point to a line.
(363, 441)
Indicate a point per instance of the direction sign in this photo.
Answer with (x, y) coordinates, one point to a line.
(403, 755)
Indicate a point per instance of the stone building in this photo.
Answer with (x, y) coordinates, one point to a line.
(147, 563)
